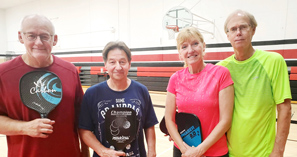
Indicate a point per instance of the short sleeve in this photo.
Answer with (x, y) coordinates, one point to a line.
(225, 79)
(85, 119)
(280, 80)
(172, 84)
(150, 118)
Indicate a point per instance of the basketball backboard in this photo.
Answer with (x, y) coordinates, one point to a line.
(178, 16)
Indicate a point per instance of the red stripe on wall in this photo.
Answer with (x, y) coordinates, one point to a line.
(156, 57)
(154, 74)
(217, 55)
(293, 76)
(158, 69)
(293, 70)
(287, 54)
(97, 68)
(83, 59)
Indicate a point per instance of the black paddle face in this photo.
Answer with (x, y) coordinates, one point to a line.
(189, 127)
(41, 91)
(162, 125)
(120, 127)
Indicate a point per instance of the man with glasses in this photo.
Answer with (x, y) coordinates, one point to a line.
(27, 133)
(261, 85)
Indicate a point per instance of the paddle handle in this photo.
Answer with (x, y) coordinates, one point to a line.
(43, 115)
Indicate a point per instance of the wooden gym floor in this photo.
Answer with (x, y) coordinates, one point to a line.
(164, 147)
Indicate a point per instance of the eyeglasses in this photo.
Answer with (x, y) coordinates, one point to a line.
(42, 37)
(242, 28)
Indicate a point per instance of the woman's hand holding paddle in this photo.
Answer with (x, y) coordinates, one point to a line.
(193, 151)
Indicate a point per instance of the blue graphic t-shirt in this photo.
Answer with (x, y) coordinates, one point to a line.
(99, 98)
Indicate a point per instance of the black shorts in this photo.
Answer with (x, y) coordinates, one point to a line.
(177, 153)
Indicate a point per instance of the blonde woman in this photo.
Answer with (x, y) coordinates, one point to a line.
(205, 90)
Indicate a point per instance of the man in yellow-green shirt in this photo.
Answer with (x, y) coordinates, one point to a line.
(261, 85)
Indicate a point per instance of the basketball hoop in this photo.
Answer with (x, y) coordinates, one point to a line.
(172, 29)
(178, 18)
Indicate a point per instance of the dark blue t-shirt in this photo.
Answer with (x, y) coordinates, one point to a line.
(99, 98)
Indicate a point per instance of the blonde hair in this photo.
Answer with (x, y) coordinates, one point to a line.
(185, 35)
(251, 17)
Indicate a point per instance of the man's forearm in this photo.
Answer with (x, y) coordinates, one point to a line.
(151, 141)
(10, 126)
(283, 126)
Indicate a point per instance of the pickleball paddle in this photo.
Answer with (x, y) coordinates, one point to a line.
(41, 91)
(121, 127)
(189, 127)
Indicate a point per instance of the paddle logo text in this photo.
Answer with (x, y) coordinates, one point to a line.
(40, 87)
(121, 138)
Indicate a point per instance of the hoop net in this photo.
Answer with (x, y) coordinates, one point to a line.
(172, 29)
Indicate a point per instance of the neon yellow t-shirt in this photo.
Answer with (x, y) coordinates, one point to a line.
(260, 82)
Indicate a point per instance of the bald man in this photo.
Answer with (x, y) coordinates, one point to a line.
(27, 133)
